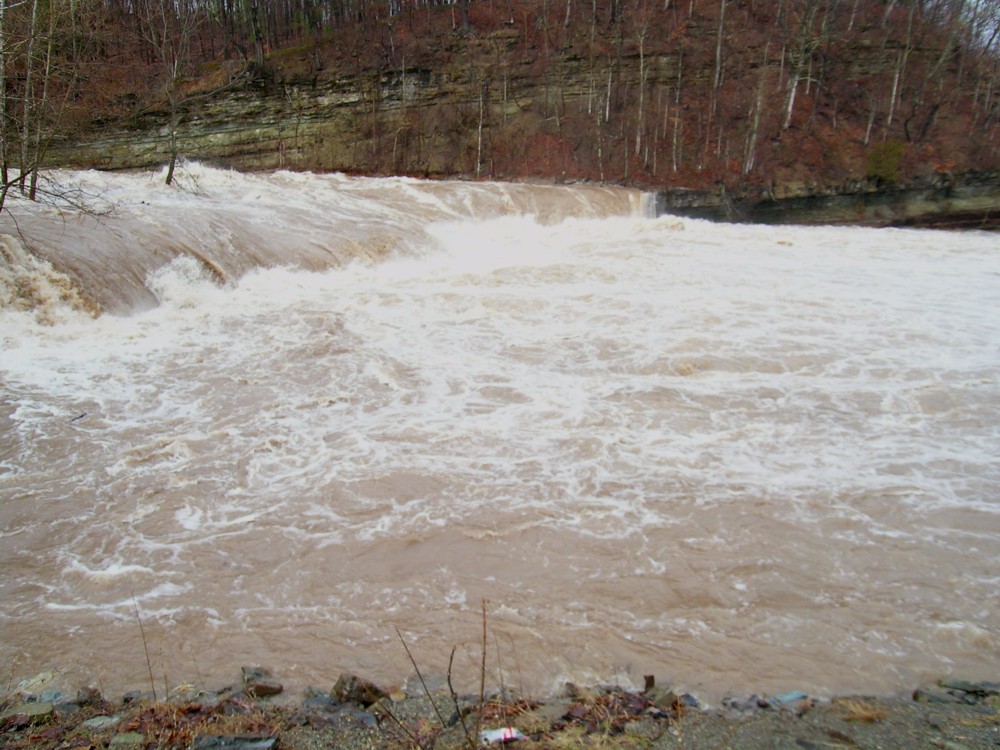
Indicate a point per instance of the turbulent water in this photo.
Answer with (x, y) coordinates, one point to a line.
(314, 409)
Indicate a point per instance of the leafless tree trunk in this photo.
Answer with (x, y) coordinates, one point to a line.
(640, 118)
(168, 29)
(717, 78)
(750, 154)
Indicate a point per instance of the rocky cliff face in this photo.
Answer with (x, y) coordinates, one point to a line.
(970, 201)
(653, 113)
(412, 120)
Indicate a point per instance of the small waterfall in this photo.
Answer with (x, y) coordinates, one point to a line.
(232, 223)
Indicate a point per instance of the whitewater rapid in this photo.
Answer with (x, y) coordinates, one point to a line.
(313, 409)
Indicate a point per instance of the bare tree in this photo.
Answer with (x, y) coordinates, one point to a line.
(39, 60)
(168, 28)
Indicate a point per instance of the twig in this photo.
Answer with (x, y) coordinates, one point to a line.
(454, 699)
(444, 724)
(482, 679)
(145, 646)
(391, 715)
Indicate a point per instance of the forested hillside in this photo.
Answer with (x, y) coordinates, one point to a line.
(693, 93)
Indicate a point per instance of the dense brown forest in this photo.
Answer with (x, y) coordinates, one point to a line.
(652, 92)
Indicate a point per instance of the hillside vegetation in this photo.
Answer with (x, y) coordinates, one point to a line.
(779, 94)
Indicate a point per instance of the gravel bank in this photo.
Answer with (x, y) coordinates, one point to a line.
(356, 715)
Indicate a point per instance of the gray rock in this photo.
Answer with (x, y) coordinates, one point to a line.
(98, 723)
(88, 696)
(689, 701)
(353, 689)
(260, 683)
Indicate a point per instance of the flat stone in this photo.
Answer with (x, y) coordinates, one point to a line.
(36, 683)
(34, 712)
(234, 742)
(976, 688)
(934, 695)
(793, 697)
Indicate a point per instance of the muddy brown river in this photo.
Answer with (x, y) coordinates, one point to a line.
(314, 409)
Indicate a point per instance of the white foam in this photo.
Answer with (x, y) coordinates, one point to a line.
(612, 414)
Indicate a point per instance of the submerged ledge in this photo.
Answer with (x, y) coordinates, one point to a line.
(255, 715)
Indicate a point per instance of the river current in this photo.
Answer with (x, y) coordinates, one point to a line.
(314, 409)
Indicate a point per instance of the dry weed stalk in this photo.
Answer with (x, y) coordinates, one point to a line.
(482, 679)
(145, 646)
(423, 684)
(454, 699)
(413, 737)
(471, 739)
(862, 712)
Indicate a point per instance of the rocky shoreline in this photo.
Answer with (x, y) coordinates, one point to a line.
(355, 714)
